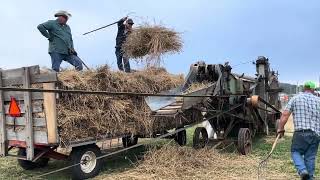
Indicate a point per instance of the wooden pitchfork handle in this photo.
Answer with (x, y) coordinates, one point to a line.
(272, 149)
(274, 144)
(270, 153)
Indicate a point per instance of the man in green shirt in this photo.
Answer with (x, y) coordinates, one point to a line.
(60, 40)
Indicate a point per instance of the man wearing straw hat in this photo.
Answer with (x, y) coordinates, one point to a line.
(60, 40)
(305, 109)
(124, 29)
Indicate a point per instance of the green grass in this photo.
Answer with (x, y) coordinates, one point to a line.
(282, 153)
(9, 168)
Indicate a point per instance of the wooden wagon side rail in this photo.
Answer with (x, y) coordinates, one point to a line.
(3, 138)
(28, 116)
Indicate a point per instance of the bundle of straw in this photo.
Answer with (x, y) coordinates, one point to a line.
(148, 43)
(83, 116)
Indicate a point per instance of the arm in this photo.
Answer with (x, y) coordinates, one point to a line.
(44, 28)
(121, 21)
(71, 41)
(285, 116)
(72, 47)
(121, 26)
(283, 120)
(71, 50)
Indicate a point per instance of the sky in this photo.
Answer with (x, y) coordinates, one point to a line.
(286, 31)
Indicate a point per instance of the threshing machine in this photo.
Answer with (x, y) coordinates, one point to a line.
(236, 106)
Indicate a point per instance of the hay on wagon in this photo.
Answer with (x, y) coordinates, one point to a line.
(83, 116)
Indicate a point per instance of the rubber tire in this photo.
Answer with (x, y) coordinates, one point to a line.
(29, 165)
(76, 155)
(181, 138)
(242, 140)
(197, 142)
(128, 141)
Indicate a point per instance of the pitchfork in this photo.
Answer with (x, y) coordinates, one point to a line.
(263, 163)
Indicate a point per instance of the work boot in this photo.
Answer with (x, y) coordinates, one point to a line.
(304, 175)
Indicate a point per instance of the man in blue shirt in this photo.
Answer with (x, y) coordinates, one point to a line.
(305, 109)
(60, 40)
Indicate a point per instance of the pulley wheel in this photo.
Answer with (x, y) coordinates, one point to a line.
(244, 141)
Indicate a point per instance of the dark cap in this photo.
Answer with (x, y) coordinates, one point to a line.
(130, 21)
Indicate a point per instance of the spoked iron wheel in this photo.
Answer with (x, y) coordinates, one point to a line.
(244, 141)
(200, 138)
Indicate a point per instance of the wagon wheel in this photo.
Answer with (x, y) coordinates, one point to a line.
(200, 138)
(244, 141)
(86, 156)
(181, 138)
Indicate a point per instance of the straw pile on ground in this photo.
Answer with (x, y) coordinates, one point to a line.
(149, 43)
(83, 116)
(172, 162)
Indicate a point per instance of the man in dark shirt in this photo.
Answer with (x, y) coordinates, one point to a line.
(124, 28)
(60, 40)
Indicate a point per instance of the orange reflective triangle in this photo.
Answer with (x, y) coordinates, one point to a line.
(14, 109)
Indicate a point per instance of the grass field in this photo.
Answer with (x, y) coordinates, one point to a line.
(280, 162)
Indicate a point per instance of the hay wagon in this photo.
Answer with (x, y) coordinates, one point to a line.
(236, 106)
(29, 124)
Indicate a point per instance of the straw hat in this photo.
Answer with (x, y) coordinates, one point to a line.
(62, 13)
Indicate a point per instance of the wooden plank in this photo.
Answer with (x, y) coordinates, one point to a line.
(21, 121)
(164, 110)
(44, 78)
(35, 79)
(3, 138)
(51, 113)
(19, 95)
(171, 107)
(29, 121)
(40, 137)
(176, 104)
(19, 72)
(165, 113)
(36, 108)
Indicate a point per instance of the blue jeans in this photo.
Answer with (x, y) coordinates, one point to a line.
(122, 61)
(57, 58)
(304, 150)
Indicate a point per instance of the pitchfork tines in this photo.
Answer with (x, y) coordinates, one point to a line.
(264, 162)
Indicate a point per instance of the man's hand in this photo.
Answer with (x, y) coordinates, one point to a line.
(281, 132)
(124, 19)
(73, 52)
